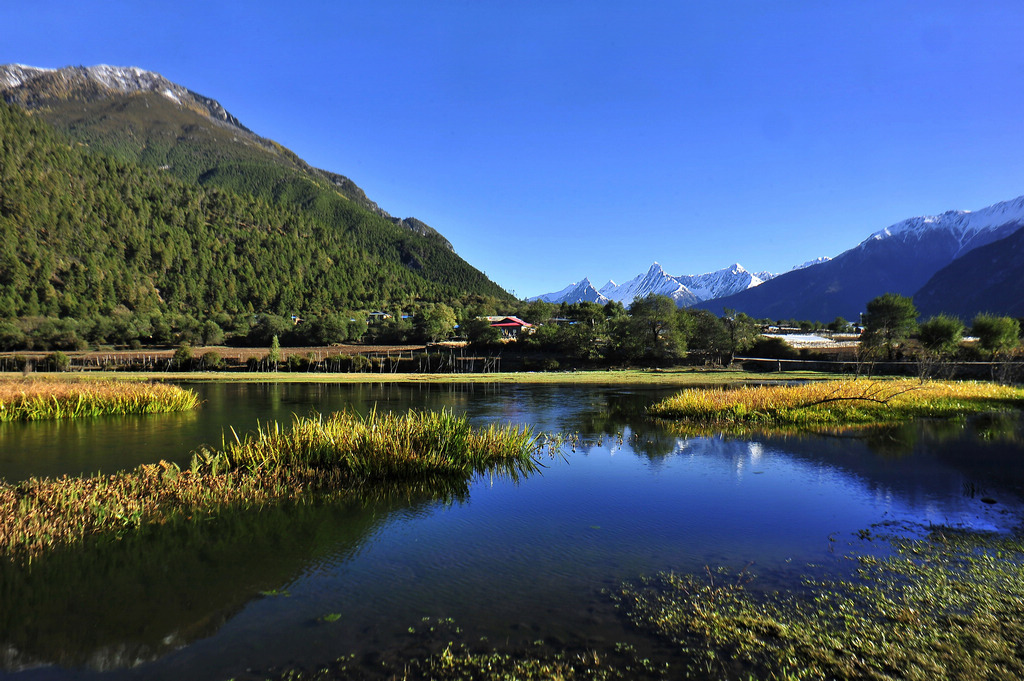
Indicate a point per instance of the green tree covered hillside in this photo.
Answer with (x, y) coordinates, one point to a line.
(84, 233)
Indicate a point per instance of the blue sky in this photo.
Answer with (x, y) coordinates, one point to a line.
(555, 140)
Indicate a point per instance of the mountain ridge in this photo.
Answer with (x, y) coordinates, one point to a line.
(57, 93)
(685, 290)
(898, 259)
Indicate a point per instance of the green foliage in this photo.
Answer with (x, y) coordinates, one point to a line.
(707, 334)
(211, 361)
(889, 320)
(839, 325)
(650, 333)
(212, 333)
(182, 357)
(123, 249)
(58, 361)
(479, 332)
(274, 355)
(435, 323)
(941, 334)
(996, 334)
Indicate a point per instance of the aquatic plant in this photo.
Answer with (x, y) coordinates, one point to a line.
(944, 607)
(834, 403)
(34, 400)
(319, 457)
(438, 650)
(381, 446)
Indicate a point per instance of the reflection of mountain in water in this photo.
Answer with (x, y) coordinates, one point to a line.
(924, 463)
(120, 603)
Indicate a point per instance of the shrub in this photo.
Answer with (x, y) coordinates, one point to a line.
(58, 361)
(212, 360)
(182, 359)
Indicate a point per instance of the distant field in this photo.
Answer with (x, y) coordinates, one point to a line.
(678, 376)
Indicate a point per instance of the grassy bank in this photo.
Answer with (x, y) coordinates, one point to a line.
(316, 456)
(828, 404)
(33, 399)
(946, 607)
(674, 376)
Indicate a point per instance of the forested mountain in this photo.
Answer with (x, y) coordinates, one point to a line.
(184, 208)
(83, 234)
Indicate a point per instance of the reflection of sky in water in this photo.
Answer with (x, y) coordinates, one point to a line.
(526, 560)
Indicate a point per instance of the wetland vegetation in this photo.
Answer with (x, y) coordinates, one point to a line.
(34, 400)
(330, 533)
(833, 404)
(945, 606)
(317, 455)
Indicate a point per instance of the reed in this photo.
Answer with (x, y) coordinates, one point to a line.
(35, 400)
(317, 458)
(834, 403)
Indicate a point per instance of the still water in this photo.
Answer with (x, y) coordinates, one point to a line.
(513, 562)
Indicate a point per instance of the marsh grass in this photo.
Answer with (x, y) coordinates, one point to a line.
(317, 458)
(830, 404)
(381, 446)
(945, 607)
(35, 400)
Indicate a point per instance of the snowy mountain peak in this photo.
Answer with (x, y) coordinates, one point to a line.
(577, 292)
(684, 290)
(812, 263)
(101, 80)
(966, 228)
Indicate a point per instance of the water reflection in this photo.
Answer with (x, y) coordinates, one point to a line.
(512, 562)
(122, 602)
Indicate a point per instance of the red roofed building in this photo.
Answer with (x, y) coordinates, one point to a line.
(510, 326)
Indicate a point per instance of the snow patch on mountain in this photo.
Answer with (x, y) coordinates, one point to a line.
(811, 263)
(969, 229)
(13, 75)
(123, 80)
(576, 292)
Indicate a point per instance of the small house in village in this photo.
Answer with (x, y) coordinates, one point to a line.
(377, 316)
(510, 326)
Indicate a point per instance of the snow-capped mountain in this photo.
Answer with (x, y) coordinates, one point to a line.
(655, 281)
(577, 292)
(963, 229)
(686, 290)
(732, 279)
(898, 259)
(19, 82)
(812, 263)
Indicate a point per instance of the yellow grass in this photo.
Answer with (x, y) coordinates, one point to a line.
(835, 403)
(33, 399)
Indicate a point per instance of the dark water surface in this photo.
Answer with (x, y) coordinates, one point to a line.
(515, 562)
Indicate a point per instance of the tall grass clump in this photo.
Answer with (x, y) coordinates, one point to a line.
(317, 458)
(34, 400)
(383, 446)
(834, 403)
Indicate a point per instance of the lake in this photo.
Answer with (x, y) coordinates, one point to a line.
(515, 562)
